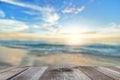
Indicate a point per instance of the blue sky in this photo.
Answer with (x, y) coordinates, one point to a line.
(60, 16)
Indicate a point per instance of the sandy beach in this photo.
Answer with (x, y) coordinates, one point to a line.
(10, 56)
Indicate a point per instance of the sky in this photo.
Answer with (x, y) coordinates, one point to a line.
(59, 17)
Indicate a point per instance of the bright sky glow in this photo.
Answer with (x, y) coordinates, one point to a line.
(52, 17)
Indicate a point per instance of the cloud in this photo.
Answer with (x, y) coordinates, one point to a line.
(49, 15)
(111, 28)
(46, 14)
(2, 14)
(23, 5)
(48, 27)
(18, 26)
(51, 18)
(73, 10)
(7, 25)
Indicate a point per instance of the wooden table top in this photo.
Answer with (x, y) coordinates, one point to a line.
(71, 73)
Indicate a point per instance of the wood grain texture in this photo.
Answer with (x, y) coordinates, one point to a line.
(81, 75)
(109, 72)
(4, 69)
(64, 74)
(113, 68)
(10, 73)
(33, 73)
(118, 67)
(71, 73)
(93, 74)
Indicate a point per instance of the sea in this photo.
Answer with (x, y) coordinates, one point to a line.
(106, 48)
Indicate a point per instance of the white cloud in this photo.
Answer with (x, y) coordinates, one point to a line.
(68, 10)
(31, 12)
(23, 5)
(111, 28)
(7, 25)
(52, 18)
(79, 9)
(73, 10)
(48, 27)
(49, 15)
(2, 14)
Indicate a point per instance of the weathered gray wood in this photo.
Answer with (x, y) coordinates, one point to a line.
(81, 75)
(109, 72)
(118, 67)
(10, 73)
(93, 74)
(4, 69)
(76, 73)
(33, 73)
(64, 74)
(113, 68)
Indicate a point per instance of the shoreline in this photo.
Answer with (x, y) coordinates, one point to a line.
(23, 57)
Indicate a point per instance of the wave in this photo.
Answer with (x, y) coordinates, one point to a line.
(91, 48)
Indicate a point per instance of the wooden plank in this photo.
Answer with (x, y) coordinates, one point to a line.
(77, 73)
(6, 69)
(113, 68)
(64, 74)
(109, 72)
(81, 75)
(33, 73)
(118, 67)
(3, 67)
(10, 73)
(93, 74)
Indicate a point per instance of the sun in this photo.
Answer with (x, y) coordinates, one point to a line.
(73, 35)
(73, 39)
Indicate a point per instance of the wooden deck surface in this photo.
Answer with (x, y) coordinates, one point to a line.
(72, 73)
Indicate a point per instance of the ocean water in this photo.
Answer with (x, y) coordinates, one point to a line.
(111, 48)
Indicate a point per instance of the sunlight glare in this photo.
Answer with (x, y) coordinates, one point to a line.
(74, 39)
